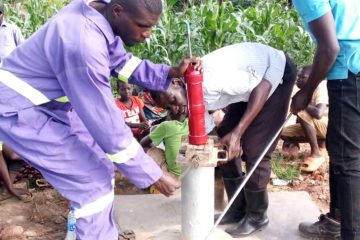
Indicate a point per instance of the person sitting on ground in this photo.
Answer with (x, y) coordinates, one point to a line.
(170, 133)
(311, 126)
(132, 108)
(10, 190)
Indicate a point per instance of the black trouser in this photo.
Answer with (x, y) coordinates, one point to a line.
(343, 145)
(260, 132)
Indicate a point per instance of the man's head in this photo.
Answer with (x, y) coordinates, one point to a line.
(133, 20)
(174, 99)
(303, 76)
(125, 90)
(1, 13)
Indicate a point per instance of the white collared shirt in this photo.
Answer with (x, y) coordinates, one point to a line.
(10, 37)
(232, 72)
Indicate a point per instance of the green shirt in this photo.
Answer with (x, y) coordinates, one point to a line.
(170, 133)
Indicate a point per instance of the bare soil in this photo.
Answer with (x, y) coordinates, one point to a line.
(315, 183)
(44, 218)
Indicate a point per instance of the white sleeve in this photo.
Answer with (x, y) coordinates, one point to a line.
(209, 122)
(275, 70)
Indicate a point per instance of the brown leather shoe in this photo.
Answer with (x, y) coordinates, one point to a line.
(325, 228)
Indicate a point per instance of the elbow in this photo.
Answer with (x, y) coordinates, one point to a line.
(333, 51)
(329, 51)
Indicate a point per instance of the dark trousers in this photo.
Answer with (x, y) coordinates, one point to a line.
(343, 145)
(260, 132)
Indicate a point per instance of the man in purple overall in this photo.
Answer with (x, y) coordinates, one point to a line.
(75, 141)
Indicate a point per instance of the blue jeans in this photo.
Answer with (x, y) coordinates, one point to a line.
(343, 145)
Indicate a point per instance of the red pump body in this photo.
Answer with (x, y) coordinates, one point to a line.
(196, 107)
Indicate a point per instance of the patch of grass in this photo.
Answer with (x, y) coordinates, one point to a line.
(284, 168)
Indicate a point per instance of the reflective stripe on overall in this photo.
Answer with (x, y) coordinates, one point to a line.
(38, 98)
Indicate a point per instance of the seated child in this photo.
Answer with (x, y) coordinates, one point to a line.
(170, 133)
(132, 108)
(310, 127)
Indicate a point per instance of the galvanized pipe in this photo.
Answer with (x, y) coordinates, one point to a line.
(197, 203)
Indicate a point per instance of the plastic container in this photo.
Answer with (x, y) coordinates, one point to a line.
(71, 228)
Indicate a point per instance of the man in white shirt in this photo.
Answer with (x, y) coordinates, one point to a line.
(10, 36)
(254, 82)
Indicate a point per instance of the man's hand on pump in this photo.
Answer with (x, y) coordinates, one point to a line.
(183, 65)
(232, 143)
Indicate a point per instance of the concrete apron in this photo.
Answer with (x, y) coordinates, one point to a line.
(155, 217)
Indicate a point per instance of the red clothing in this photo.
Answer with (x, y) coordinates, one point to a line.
(131, 113)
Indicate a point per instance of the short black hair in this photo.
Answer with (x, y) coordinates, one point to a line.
(153, 6)
(122, 83)
(307, 67)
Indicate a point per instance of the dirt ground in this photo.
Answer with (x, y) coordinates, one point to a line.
(316, 183)
(44, 218)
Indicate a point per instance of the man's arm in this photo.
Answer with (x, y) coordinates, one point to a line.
(129, 68)
(256, 102)
(323, 29)
(327, 49)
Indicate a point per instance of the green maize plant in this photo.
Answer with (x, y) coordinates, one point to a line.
(216, 25)
(30, 15)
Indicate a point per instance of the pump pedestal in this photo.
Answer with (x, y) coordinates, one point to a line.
(197, 188)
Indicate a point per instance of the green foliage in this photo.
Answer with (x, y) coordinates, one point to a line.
(30, 15)
(274, 24)
(216, 25)
(213, 26)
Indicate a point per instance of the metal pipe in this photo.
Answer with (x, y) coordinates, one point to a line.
(197, 203)
(188, 34)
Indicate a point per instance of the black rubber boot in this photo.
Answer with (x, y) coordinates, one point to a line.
(237, 210)
(255, 218)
